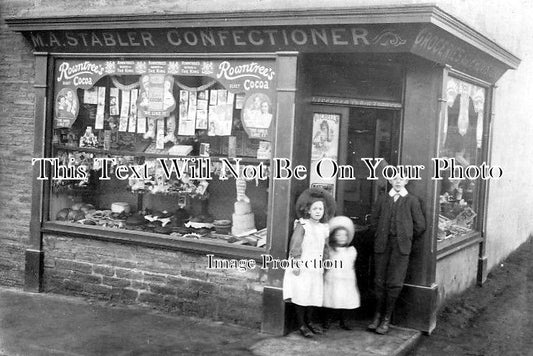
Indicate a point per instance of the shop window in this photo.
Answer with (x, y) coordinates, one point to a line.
(156, 147)
(461, 139)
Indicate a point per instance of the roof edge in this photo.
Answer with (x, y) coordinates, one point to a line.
(423, 13)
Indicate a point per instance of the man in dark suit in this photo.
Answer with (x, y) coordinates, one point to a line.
(396, 218)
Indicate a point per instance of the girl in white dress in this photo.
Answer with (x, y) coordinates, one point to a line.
(340, 284)
(304, 285)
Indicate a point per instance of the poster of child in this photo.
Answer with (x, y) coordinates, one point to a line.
(257, 112)
(325, 136)
(66, 107)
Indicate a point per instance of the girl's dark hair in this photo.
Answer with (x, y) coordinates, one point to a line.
(311, 195)
(304, 209)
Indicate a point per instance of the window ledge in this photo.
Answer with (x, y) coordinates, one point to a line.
(451, 246)
(201, 247)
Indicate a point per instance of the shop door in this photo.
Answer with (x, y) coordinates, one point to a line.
(363, 133)
(371, 133)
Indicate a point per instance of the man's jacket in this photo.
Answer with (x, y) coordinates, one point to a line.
(409, 222)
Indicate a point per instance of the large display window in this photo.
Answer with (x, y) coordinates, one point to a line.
(462, 141)
(162, 146)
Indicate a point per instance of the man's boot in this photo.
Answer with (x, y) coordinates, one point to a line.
(390, 302)
(383, 328)
(375, 322)
(380, 301)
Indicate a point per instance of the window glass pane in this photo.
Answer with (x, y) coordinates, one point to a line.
(166, 123)
(461, 140)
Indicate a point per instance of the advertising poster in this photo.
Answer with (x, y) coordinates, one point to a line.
(324, 150)
(124, 111)
(248, 84)
(113, 102)
(100, 109)
(257, 115)
(132, 125)
(156, 98)
(67, 107)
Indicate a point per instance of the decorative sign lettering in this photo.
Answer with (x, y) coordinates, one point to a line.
(438, 46)
(427, 41)
(304, 38)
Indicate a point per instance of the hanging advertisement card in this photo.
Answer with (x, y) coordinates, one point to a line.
(141, 122)
(229, 111)
(218, 122)
(124, 111)
(213, 96)
(211, 119)
(191, 114)
(132, 126)
(113, 102)
(186, 128)
(201, 119)
(183, 105)
(160, 134)
(203, 95)
(90, 96)
(66, 107)
(193, 98)
(100, 109)
(187, 113)
(239, 101)
(222, 96)
(201, 103)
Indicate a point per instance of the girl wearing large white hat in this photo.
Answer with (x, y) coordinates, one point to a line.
(340, 284)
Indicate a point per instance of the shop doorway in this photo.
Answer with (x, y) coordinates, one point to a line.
(364, 132)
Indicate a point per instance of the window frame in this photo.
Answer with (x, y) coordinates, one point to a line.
(452, 245)
(154, 240)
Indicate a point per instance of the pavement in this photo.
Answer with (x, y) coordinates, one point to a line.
(50, 324)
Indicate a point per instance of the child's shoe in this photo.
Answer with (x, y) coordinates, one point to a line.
(304, 330)
(343, 326)
(315, 329)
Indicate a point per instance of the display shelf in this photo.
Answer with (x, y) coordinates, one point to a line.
(244, 160)
(149, 239)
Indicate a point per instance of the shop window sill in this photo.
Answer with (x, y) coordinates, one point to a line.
(154, 240)
(453, 245)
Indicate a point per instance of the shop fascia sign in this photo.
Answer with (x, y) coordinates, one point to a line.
(436, 45)
(427, 41)
(266, 39)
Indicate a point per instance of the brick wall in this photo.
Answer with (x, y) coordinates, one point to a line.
(171, 281)
(16, 148)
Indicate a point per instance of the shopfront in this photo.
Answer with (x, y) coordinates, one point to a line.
(169, 139)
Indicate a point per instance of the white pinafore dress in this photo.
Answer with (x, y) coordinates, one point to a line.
(340, 284)
(307, 288)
